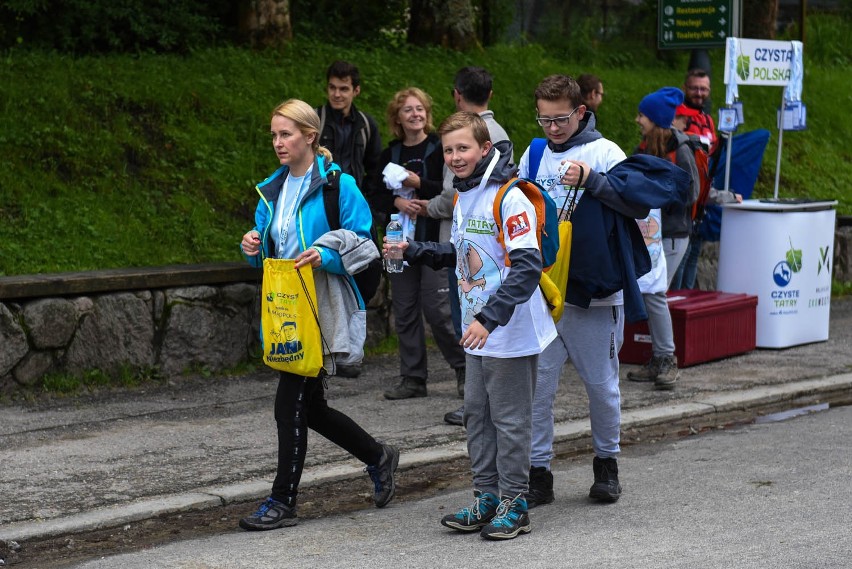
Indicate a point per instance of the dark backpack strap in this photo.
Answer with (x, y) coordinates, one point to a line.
(396, 150)
(322, 119)
(430, 148)
(537, 147)
(369, 279)
(365, 133)
(331, 199)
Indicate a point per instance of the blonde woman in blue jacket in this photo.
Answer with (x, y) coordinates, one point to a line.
(291, 223)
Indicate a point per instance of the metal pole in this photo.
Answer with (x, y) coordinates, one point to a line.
(730, 145)
(780, 139)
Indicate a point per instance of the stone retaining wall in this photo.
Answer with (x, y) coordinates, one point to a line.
(169, 330)
(177, 328)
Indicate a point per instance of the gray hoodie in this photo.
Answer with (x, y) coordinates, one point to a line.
(343, 322)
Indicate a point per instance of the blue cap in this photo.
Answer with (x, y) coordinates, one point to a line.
(660, 106)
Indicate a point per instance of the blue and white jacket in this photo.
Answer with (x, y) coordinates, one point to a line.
(311, 220)
(342, 319)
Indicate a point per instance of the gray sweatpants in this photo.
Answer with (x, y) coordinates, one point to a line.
(591, 338)
(416, 292)
(498, 399)
(659, 324)
(674, 249)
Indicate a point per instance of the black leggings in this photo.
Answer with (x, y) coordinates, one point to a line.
(300, 404)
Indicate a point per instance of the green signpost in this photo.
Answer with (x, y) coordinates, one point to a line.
(688, 24)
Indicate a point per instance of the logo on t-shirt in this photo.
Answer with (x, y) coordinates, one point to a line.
(518, 225)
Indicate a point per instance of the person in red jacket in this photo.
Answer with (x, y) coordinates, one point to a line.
(690, 115)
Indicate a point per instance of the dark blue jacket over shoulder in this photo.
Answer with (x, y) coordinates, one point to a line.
(608, 251)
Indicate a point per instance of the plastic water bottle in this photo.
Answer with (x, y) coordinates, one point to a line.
(393, 236)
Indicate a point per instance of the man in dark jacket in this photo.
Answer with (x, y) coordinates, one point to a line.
(353, 138)
(351, 135)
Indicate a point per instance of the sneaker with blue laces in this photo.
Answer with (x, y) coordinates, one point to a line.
(511, 519)
(476, 516)
(382, 475)
(271, 514)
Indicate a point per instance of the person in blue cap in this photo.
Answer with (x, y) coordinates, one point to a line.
(659, 138)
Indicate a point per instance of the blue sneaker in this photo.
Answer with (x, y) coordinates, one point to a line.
(271, 514)
(484, 508)
(382, 475)
(511, 519)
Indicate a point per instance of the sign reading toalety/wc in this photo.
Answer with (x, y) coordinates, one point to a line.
(761, 62)
(696, 23)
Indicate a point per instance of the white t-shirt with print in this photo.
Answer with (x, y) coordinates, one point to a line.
(481, 269)
(652, 230)
(600, 155)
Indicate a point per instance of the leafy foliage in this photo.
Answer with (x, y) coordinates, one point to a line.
(120, 161)
(87, 26)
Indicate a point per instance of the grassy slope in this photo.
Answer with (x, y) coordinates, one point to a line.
(136, 161)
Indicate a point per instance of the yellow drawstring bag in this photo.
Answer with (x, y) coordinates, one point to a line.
(558, 272)
(552, 296)
(292, 341)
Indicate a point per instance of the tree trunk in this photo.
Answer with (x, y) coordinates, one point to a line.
(448, 23)
(266, 23)
(759, 18)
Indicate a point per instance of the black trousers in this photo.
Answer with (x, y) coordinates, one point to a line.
(417, 292)
(300, 404)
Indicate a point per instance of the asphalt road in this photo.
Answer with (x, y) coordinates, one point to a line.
(757, 496)
(112, 470)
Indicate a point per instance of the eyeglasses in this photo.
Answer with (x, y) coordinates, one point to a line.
(559, 121)
(698, 89)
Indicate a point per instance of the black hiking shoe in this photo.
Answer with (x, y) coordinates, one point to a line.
(408, 387)
(606, 487)
(455, 417)
(348, 370)
(541, 487)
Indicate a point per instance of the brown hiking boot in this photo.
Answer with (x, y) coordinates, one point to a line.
(647, 372)
(668, 375)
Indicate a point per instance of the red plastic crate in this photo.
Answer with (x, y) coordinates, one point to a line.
(707, 325)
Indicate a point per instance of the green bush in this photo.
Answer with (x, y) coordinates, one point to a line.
(120, 161)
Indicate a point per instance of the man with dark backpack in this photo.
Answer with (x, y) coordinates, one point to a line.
(351, 135)
(353, 138)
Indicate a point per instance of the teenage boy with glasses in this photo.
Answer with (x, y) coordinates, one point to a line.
(591, 337)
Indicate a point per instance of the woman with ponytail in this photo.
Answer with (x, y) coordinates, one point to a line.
(291, 223)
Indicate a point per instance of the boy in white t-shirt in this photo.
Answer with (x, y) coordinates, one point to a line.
(590, 337)
(505, 324)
